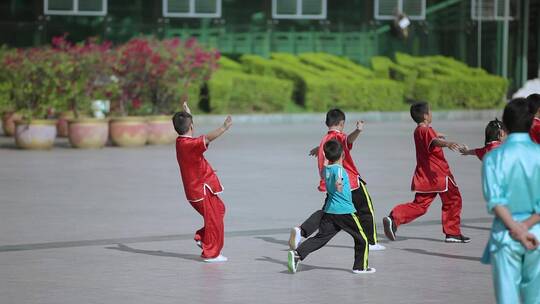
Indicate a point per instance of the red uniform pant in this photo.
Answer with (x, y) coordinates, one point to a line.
(451, 209)
(211, 234)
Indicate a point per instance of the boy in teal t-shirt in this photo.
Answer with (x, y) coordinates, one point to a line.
(339, 214)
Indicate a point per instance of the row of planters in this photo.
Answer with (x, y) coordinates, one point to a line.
(52, 90)
(87, 133)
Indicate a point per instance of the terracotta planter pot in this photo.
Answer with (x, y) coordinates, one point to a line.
(88, 133)
(62, 128)
(161, 130)
(8, 122)
(129, 131)
(36, 134)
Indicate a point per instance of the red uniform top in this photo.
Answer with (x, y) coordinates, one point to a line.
(480, 152)
(535, 130)
(348, 162)
(432, 171)
(196, 172)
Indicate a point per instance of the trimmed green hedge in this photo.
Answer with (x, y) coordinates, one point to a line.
(229, 64)
(237, 92)
(381, 66)
(335, 66)
(318, 93)
(447, 83)
(447, 92)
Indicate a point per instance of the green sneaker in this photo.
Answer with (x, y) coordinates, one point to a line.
(293, 261)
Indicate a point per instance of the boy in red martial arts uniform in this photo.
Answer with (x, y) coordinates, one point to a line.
(201, 184)
(431, 177)
(534, 109)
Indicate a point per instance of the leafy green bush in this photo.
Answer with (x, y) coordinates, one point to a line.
(232, 91)
(381, 66)
(446, 92)
(335, 66)
(229, 64)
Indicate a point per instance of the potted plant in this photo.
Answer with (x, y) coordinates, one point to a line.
(131, 67)
(7, 105)
(32, 78)
(87, 77)
(177, 69)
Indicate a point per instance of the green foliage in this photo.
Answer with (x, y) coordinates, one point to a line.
(381, 66)
(366, 95)
(238, 92)
(447, 92)
(447, 83)
(335, 66)
(229, 64)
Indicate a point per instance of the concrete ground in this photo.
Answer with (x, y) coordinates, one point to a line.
(113, 226)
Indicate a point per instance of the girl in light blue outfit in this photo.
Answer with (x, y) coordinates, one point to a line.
(511, 185)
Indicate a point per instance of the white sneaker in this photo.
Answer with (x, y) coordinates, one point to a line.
(219, 258)
(295, 238)
(376, 247)
(199, 243)
(366, 271)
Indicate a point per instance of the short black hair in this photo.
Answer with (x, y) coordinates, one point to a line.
(182, 121)
(332, 150)
(334, 117)
(418, 109)
(534, 103)
(516, 116)
(493, 129)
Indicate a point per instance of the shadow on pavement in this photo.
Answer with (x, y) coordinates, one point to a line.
(476, 227)
(192, 257)
(301, 267)
(442, 255)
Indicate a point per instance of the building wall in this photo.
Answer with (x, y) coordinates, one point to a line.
(246, 26)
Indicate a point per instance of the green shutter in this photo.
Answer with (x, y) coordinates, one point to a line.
(60, 5)
(286, 7)
(388, 7)
(205, 6)
(413, 8)
(90, 5)
(178, 6)
(312, 7)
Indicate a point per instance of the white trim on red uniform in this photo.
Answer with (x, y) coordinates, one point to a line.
(211, 191)
(446, 189)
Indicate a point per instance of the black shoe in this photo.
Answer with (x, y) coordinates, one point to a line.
(389, 228)
(457, 239)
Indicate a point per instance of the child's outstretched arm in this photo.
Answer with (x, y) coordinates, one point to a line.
(314, 152)
(212, 135)
(466, 151)
(443, 143)
(518, 231)
(354, 134)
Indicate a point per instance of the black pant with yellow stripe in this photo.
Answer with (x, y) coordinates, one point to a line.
(364, 211)
(330, 225)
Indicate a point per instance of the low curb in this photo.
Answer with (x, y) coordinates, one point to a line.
(366, 116)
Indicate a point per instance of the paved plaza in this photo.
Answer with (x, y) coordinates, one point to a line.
(113, 225)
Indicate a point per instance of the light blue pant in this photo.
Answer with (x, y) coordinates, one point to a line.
(516, 274)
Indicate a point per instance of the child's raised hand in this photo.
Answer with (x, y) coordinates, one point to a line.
(360, 125)
(186, 107)
(227, 123)
(464, 149)
(314, 151)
